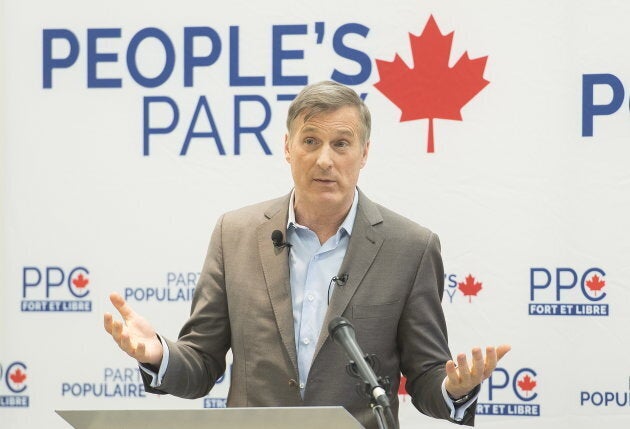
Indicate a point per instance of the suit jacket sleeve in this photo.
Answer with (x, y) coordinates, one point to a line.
(197, 359)
(423, 340)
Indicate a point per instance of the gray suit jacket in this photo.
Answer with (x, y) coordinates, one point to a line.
(243, 301)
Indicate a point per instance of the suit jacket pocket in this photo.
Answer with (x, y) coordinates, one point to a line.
(389, 309)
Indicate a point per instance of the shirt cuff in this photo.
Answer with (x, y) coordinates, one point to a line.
(458, 411)
(156, 378)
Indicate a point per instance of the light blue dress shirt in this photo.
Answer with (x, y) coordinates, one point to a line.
(312, 266)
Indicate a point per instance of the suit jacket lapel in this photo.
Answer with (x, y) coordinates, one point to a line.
(364, 245)
(275, 264)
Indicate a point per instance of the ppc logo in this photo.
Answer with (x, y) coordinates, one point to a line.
(41, 285)
(468, 288)
(561, 299)
(14, 379)
(431, 89)
(511, 394)
(589, 108)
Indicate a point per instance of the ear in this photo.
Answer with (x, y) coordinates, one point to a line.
(366, 149)
(287, 152)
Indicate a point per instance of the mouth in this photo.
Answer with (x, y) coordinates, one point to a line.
(324, 181)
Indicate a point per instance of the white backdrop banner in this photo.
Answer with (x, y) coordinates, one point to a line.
(129, 127)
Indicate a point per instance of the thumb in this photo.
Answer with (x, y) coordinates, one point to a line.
(121, 305)
(502, 350)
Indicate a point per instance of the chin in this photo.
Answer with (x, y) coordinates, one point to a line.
(333, 198)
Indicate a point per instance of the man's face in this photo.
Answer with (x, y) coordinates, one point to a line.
(326, 154)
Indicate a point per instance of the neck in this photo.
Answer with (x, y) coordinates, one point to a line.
(324, 221)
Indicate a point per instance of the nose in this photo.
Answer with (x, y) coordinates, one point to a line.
(324, 157)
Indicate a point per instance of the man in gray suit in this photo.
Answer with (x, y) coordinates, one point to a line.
(271, 302)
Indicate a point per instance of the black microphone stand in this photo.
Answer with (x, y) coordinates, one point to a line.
(383, 413)
(381, 420)
(362, 366)
(380, 416)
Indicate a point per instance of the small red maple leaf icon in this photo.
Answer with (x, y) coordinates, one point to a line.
(431, 89)
(470, 287)
(595, 283)
(526, 384)
(80, 281)
(401, 387)
(18, 376)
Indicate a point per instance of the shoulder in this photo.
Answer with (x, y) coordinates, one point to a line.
(393, 225)
(254, 214)
(407, 234)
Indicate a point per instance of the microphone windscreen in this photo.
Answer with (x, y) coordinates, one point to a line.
(276, 236)
(336, 323)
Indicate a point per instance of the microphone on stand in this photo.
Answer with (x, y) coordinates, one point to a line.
(342, 331)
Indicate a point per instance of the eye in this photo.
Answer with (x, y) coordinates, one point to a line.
(310, 141)
(341, 144)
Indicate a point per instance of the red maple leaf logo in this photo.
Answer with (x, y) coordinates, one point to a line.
(526, 384)
(80, 281)
(470, 287)
(431, 89)
(18, 376)
(595, 283)
(401, 387)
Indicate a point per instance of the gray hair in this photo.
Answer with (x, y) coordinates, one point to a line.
(328, 96)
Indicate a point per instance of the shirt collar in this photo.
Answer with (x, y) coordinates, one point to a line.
(347, 223)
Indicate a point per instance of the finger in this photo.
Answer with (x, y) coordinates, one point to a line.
(126, 345)
(452, 373)
(502, 350)
(140, 352)
(117, 328)
(121, 305)
(477, 366)
(464, 370)
(107, 322)
(491, 361)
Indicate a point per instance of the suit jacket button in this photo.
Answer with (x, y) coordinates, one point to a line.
(293, 383)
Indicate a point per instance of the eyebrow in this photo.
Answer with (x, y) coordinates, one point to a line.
(342, 132)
